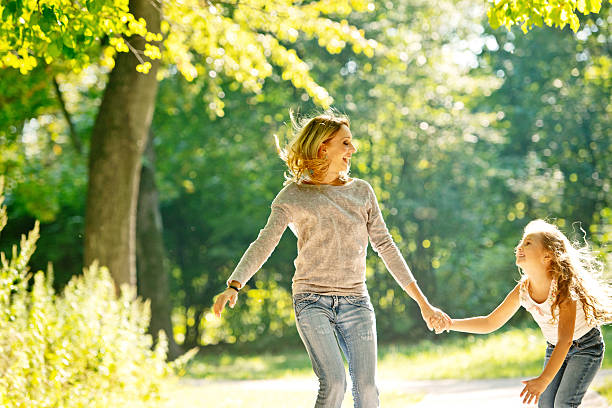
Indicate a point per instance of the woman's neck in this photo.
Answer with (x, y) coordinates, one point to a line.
(332, 179)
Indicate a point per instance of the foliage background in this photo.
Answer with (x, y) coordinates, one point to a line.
(466, 134)
(87, 345)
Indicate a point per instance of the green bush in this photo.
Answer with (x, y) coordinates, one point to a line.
(263, 317)
(86, 347)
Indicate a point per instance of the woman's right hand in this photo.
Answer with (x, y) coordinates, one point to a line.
(228, 294)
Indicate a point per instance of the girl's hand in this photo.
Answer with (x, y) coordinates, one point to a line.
(445, 326)
(435, 319)
(441, 321)
(533, 389)
(228, 294)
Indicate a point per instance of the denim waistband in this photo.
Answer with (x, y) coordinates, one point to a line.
(586, 338)
(594, 332)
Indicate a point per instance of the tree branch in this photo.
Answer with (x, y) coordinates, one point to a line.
(74, 137)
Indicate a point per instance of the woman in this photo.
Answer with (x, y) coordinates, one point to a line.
(332, 216)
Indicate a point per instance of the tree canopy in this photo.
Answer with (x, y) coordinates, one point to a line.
(197, 38)
(527, 13)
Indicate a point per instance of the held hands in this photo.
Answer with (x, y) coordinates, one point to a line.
(435, 319)
(443, 326)
(533, 389)
(228, 294)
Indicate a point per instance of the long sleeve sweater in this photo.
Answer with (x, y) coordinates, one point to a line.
(332, 225)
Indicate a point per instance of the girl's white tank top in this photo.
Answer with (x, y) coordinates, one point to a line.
(542, 315)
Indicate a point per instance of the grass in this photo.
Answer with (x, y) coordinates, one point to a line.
(294, 364)
(513, 353)
(510, 354)
(605, 389)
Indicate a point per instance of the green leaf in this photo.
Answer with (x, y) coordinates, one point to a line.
(35, 19)
(94, 6)
(537, 20)
(69, 41)
(69, 52)
(9, 10)
(48, 18)
(592, 6)
(55, 48)
(12, 7)
(493, 20)
(6, 14)
(555, 16)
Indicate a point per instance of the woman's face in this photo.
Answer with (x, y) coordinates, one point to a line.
(339, 150)
(530, 253)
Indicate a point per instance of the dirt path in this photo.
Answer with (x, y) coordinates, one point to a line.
(498, 393)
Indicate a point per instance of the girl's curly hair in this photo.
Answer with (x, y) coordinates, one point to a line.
(578, 273)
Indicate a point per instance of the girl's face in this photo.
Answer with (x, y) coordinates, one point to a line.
(339, 150)
(530, 253)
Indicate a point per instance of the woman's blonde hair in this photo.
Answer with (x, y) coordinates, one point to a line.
(301, 155)
(578, 273)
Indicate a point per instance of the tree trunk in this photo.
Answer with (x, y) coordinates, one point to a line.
(193, 332)
(118, 140)
(150, 254)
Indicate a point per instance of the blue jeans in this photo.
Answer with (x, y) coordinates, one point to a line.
(328, 324)
(577, 372)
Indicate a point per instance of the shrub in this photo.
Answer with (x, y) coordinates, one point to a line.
(86, 347)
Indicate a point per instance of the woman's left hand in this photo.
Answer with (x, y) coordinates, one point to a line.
(533, 389)
(435, 319)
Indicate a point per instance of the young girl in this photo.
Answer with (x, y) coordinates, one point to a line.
(560, 290)
(332, 216)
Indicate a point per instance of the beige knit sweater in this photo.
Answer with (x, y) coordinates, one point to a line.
(332, 224)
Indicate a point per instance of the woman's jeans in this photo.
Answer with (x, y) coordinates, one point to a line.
(577, 372)
(327, 324)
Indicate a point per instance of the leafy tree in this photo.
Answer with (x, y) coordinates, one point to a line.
(555, 111)
(418, 141)
(229, 167)
(64, 32)
(528, 13)
(197, 40)
(450, 149)
(438, 146)
(46, 171)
